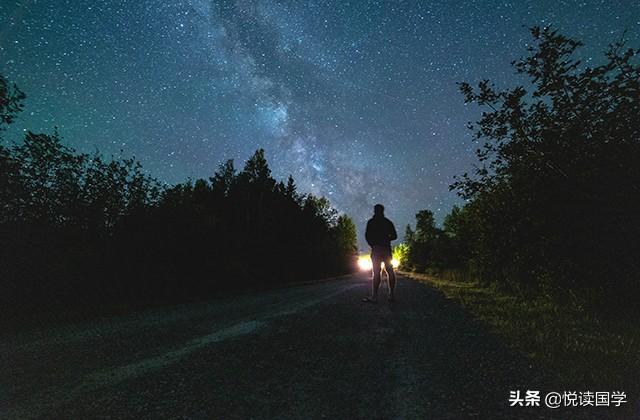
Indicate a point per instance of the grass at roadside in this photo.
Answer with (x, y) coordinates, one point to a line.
(586, 352)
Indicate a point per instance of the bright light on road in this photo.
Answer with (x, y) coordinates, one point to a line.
(364, 262)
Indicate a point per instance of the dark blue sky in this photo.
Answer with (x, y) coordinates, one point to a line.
(357, 100)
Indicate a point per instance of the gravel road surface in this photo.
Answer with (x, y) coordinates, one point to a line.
(311, 351)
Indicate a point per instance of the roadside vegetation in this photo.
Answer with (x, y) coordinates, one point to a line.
(545, 248)
(79, 230)
(552, 206)
(585, 351)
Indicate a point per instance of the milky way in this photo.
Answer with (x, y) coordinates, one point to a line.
(357, 100)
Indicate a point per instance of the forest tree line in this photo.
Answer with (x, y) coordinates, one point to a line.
(77, 229)
(554, 204)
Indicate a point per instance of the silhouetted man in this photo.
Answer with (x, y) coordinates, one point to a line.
(379, 234)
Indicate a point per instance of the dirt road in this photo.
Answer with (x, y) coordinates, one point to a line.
(312, 351)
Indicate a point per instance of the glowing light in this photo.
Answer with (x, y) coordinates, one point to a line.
(364, 262)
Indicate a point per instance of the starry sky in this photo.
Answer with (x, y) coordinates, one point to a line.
(356, 99)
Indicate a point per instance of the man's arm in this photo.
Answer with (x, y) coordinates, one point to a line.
(393, 235)
(367, 233)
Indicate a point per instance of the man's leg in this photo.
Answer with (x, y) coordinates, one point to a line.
(377, 262)
(392, 277)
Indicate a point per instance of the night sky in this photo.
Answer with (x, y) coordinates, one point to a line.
(357, 100)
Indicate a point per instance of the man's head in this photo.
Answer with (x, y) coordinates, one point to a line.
(378, 210)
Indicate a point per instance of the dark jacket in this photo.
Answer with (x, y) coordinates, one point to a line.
(380, 232)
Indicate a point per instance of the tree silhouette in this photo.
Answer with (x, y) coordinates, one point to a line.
(11, 102)
(553, 204)
(86, 230)
(555, 197)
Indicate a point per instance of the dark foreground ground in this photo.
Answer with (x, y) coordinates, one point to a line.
(312, 351)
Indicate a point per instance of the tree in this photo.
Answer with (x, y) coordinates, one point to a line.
(401, 253)
(553, 195)
(422, 250)
(11, 102)
(84, 229)
(224, 179)
(49, 176)
(291, 191)
(425, 226)
(256, 170)
(345, 242)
